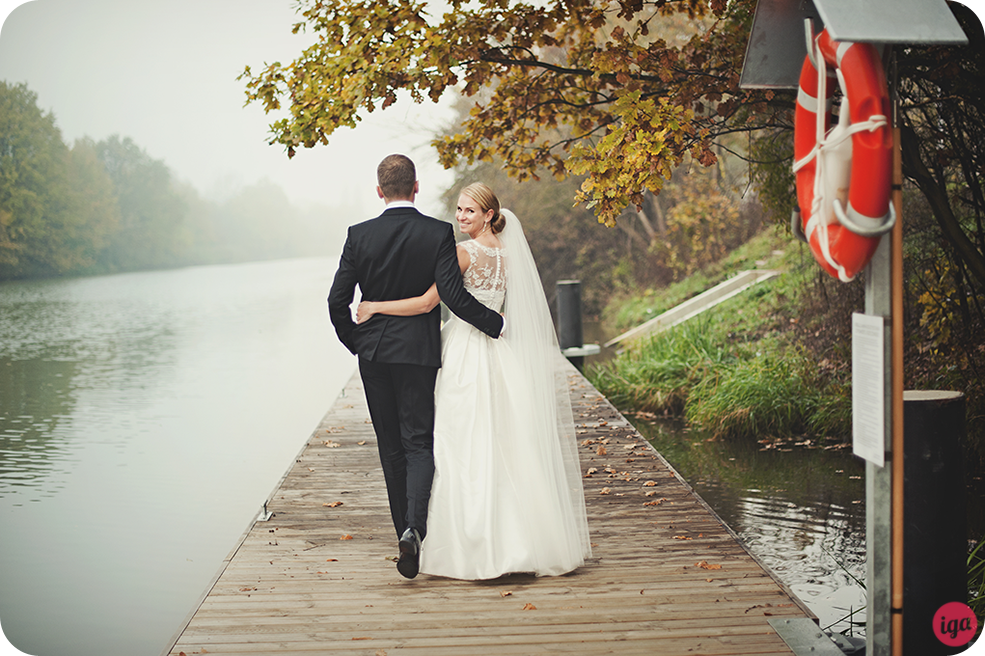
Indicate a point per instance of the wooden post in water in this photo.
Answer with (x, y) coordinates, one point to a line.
(569, 332)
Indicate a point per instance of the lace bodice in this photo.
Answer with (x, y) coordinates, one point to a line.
(486, 276)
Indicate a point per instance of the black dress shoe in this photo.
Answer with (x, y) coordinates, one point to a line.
(408, 564)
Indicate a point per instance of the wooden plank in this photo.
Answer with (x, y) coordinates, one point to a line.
(666, 575)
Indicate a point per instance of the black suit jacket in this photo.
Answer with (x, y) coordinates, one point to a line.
(400, 254)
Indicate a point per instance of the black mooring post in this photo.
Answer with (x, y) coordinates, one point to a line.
(569, 313)
(569, 332)
(935, 547)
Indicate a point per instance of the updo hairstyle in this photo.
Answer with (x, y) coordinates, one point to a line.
(486, 198)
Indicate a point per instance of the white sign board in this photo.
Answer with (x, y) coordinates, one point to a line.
(869, 388)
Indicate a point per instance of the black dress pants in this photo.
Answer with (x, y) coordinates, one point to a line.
(401, 405)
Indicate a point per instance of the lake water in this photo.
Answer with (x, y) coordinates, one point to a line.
(798, 507)
(144, 419)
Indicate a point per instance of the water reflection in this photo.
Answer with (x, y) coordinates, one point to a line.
(36, 403)
(144, 419)
(799, 509)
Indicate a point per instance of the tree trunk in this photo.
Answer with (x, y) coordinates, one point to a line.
(915, 169)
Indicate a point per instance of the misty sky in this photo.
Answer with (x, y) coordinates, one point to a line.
(164, 74)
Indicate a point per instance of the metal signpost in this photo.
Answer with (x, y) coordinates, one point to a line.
(777, 47)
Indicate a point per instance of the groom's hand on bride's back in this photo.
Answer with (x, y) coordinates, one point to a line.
(364, 311)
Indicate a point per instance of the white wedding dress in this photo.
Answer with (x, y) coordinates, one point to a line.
(507, 494)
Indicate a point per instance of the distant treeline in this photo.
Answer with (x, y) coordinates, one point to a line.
(103, 207)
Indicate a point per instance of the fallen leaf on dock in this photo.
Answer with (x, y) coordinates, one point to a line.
(600, 451)
(334, 504)
(332, 445)
(605, 490)
(704, 565)
(505, 593)
(650, 484)
(682, 537)
(529, 607)
(346, 537)
(361, 443)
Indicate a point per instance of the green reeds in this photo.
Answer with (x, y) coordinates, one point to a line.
(697, 371)
(657, 374)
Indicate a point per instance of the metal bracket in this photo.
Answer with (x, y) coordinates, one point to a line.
(804, 637)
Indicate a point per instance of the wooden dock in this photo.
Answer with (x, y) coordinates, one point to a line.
(666, 576)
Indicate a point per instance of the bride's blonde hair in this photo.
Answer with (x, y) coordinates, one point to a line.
(487, 200)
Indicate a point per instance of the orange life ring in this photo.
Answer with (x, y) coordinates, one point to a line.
(843, 173)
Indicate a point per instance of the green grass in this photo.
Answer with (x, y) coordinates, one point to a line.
(734, 370)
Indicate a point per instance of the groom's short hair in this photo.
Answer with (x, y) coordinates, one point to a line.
(396, 176)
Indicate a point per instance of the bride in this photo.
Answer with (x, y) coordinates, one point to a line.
(507, 494)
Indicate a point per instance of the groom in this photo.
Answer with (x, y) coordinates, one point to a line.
(400, 254)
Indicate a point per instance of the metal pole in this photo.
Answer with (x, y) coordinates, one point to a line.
(878, 480)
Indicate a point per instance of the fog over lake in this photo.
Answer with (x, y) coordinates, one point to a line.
(144, 420)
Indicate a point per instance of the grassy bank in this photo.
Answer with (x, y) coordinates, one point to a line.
(740, 369)
(775, 362)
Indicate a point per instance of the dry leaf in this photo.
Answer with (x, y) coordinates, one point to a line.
(682, 537)
(650, 484)
(380, 652)
(346, 537)
(331, 560)
(600, 451)
(361, 443)
(505, 593)
(605, 490)
(363, 638)
(332, 445)
(334, 504)
(704, 565)
(529, 607)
